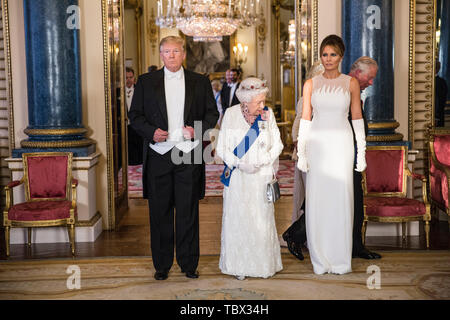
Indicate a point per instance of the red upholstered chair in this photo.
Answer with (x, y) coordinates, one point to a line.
(50, 195)
(440, 170)
(384, 185)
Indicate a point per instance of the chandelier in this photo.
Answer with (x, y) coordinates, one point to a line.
(207, 20)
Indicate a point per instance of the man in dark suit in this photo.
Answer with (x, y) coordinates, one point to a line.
(165, 105)
(134, 140)
(364, 70)
(227, 94)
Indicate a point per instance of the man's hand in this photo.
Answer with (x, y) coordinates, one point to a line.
(160, 135)
(188, 133)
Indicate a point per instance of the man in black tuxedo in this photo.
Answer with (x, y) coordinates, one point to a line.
(134, 140)
(364, 70)
(165, 105)
(227, 94)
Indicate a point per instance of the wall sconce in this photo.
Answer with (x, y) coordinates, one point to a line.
(240, 55)
(289, 54)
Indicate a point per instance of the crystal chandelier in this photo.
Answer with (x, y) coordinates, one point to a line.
(208, 20)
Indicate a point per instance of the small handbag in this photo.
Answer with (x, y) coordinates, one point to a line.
(273, 190)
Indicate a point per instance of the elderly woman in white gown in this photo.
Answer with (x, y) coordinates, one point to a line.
(250, 245)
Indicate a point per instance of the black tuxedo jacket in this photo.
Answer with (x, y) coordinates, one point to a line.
(225, 96)
(149, 111)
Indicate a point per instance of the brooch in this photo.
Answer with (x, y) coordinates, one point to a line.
(227, 173)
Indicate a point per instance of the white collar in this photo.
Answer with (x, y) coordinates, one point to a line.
(174, 75)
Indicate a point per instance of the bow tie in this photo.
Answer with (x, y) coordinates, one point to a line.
(176, 75)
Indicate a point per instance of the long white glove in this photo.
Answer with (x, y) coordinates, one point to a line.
(303, 133)
(247, 167)
(358, 127)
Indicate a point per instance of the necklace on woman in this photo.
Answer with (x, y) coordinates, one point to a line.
(247, 115)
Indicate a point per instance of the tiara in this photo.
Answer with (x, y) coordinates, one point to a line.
(254, 86)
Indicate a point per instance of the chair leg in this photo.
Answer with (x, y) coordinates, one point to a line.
(7, 230)
(71, 230)
(427, 233)
(363, 232)
(404, 231)
(29, 237)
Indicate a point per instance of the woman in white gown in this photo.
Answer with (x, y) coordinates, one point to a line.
(249, 245)
(326, 152)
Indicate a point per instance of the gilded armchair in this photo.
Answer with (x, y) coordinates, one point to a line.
(439, 172)
(385, 190)
(50, 196)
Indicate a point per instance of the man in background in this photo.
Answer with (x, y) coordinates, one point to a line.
(135, 147)
(228, 91)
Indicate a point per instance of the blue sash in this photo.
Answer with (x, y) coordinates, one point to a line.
(242, 148)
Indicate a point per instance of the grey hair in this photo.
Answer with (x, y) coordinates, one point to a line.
(316, 69)
(363, 64)
(176, 39)
(251, 87)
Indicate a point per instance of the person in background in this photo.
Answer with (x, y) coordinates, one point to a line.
(135, 147)
(228, 92)
(217, 86)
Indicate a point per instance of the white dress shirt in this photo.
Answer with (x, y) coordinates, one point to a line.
(174, 87)
(129, 96)
(175, 93)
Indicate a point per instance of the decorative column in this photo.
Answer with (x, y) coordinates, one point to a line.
(368, 30)
(54, 79)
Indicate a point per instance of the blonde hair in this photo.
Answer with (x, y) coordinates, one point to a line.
(176, 39)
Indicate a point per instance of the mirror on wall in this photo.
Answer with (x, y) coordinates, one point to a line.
(117, 158)
(293, 59)
(442, 66)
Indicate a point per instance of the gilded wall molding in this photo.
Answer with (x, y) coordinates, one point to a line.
(7, 46)
(315, 30)
(421, 81)
(152, 30)
(109, 142)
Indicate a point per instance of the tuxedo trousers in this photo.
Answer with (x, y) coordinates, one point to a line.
(174, 211)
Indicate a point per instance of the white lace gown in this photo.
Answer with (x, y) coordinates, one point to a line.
(329, 183)
(249, 242)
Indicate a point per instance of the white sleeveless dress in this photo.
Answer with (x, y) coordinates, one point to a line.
(329, 183)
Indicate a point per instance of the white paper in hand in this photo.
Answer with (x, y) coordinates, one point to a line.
(162, 147)
(187, 146)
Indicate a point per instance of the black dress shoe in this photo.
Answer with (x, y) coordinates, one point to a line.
(161, 275)
(286, 236)
(366, 254)
(295, 250)
(192, 274)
